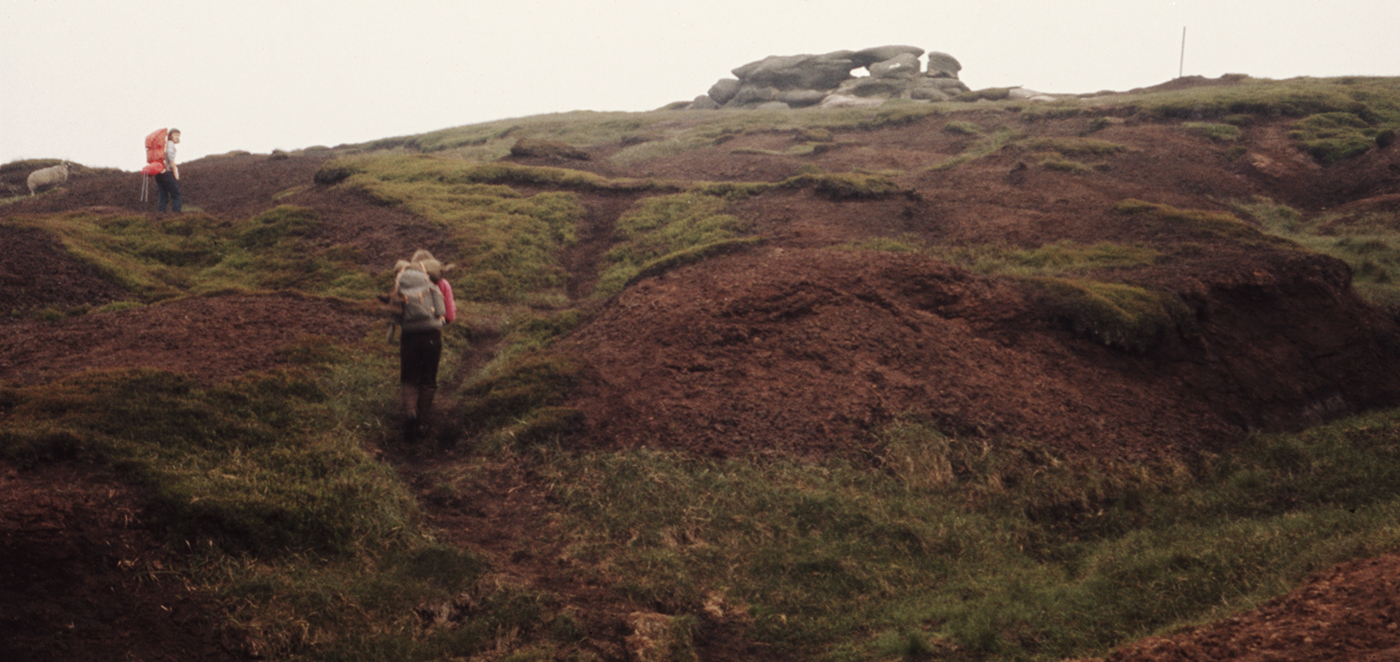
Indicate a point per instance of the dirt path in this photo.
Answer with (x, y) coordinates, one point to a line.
(503, 511)
(583, 259)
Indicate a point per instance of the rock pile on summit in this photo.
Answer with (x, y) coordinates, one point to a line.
(794, 81)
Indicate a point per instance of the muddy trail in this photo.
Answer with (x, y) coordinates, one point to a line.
(798, 348)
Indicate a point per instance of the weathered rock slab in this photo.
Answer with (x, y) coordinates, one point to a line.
(825, 80)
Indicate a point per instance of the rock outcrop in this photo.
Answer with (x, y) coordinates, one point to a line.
(797, 81)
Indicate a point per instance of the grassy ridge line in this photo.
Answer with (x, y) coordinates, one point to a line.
(1337, 118)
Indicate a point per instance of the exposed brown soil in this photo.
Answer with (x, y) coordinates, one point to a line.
(794, 348)
(1349, 613)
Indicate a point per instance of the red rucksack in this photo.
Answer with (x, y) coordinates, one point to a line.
(155, 152)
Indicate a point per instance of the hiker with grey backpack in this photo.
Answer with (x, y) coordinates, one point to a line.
(420, 312)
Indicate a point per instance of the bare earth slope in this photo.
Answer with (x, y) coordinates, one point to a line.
(802, 347)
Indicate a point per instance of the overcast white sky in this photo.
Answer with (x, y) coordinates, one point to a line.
(86, 80)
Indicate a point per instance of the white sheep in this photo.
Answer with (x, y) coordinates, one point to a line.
(45, 176)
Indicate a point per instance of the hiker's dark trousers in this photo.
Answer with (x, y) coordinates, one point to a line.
(419, 353)
(169, 191)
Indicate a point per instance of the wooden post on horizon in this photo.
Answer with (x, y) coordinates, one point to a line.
(1181, 67)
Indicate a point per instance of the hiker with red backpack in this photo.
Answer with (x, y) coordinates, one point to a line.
(160, 163)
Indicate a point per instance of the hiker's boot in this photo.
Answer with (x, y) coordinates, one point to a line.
(408, 399)
(425, 409)
(425, 404)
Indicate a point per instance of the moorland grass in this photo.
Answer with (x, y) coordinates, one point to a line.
(922, 545)
(1058, 164)
(962, 128)
(662, 232)
(519, 400)
(993, 547)
(676, 132)
(1215, 131)
(987, 145)
(266, 487)
(1073, 146)
(1060, 276)
(1369, 243)
(852, 185)
(252, 465)
(1059, 153)
(1338, 118)
(508, 244)
(1334, 136)
(1208, 110)
(954, 543)
(1165, 221)
(1063, 257)
(1377, 98)
(1114, 314)
(195, 254)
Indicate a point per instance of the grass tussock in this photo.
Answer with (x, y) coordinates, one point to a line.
(663, 232)
(1168, 221)
(1213, 131)
(1114, 314)
(1059, 258)
(1334, 136)
(520, 401)
(1054, 162)
(961, 128)
(846, 185)
(1368, 241)
(987, 145)
(806, 142)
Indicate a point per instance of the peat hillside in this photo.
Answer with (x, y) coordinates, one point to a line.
(1143, 308)
(1141, 279)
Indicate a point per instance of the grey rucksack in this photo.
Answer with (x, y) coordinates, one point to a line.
(416, 292)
